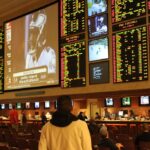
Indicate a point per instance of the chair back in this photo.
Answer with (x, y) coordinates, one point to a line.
(104, 148)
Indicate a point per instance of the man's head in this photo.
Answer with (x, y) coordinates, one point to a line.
(103, 132)
(64, 103)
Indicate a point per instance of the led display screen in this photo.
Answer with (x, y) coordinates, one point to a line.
(127, 9)
(130, 55)
(72, 14)
(73, 64)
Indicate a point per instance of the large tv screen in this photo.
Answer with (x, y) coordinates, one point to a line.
(31, 50)
(98, 49)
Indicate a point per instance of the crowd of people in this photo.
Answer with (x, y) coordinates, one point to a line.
(69, 132)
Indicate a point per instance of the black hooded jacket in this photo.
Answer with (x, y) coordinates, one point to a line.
(62, 119)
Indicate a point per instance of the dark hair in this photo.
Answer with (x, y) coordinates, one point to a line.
(64, 103)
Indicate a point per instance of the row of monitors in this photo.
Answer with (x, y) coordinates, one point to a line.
(27, 105)
(126, 101)
(109, 102)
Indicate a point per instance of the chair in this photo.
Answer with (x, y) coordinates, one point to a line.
(95, 139)
(104, 148)
(144, 145)
(13, 148)
(22, 143)
(11, 141)
(4, 147)
(33, 144)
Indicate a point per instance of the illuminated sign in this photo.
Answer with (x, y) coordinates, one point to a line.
(127, 9)
(73, 64)
(72, 17)
(130, 55)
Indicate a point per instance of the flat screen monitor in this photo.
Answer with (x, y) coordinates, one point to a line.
(27, 105)
(98, 49)
(36, 105)
(109, 102)
(97, 26)
(96, 7)
(120, 113)
(126, 101)
(47, 104)
(18, 105)
(144, 100)
(31, 50)
(10, 106)
(3, 106)
(99, 72)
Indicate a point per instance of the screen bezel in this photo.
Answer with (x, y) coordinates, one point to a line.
(58, 55)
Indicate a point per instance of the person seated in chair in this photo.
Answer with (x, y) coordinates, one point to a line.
(144, 136)
(106, 141)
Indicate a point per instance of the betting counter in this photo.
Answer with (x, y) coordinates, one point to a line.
(124, 126)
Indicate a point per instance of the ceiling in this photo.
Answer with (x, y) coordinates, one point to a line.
(12, 8)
